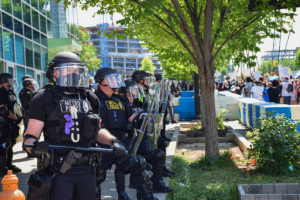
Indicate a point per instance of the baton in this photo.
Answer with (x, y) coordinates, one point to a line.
(83, 149)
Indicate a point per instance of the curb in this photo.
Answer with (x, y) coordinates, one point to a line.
(170, 152)
(241, 141)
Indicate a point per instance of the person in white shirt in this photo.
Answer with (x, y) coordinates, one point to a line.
(286, 95)
(257, 90)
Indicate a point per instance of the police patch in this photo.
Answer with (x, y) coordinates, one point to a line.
(112, 105)
(80, 105)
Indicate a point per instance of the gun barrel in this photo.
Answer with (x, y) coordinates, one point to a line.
(83, 149)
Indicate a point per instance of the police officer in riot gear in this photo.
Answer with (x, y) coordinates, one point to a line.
(156, 157)
(9, 124)
(116, 117)
(25, 96)
(68, 115)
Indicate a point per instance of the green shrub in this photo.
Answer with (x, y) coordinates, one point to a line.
(275, 145)
(220, 120)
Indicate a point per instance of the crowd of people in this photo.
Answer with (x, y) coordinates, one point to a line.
(285, 90)
(78, 123)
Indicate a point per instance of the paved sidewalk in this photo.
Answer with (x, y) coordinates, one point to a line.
(28, 166)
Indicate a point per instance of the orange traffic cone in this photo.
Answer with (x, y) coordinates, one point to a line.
(10, 188)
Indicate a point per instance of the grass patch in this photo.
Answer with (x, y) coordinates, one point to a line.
(215, 179)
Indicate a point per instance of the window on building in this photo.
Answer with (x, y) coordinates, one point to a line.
(43, 24)
(20, 72)
(19, 45)
(6, 5)
(34, 3)
(1, 51)
(122, 44)
(28, 53)
(42, 6)
(44, 56)
(122, 50)
(37, 56)
(28, 32)
(8, 46)
(119, 60)
(130, 60)
(27, 14)
(17, 8)
(36, 36)
(18, 26)
(30, 72)
(44, 40)
(35, 19)
(111, 49)
(134, 51)
(7, 21)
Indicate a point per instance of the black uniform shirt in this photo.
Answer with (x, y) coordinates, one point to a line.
(111, 110)
(4, 98)
(25, 98)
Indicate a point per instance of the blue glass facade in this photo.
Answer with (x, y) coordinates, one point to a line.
(25, 26)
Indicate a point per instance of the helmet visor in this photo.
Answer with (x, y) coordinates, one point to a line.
(134, 91)
(149, 80)
(114, 81)
(72, 75)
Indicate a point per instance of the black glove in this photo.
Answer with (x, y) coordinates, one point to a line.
(40, 148)
(119, 149)
(138, 120)
(18, 121)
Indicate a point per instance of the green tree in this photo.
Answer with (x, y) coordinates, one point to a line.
(202, 32)
(297, 60)
(266, 66)
(88, 54)
(147, 65)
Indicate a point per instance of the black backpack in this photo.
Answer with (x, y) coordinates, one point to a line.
(290, 88)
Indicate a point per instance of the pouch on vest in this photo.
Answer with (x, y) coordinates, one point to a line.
(39, 185)
(91, 126)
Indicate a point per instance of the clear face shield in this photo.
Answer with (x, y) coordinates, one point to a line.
(71, 75)
(148, 81)
(114, 81)
(135, 91)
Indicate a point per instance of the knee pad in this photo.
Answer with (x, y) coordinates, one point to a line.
(160, 155)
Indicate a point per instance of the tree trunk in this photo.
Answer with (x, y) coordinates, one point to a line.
(208, 110)
(196, 96)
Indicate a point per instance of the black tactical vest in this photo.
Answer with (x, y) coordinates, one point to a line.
(12, 99)
(65, 119)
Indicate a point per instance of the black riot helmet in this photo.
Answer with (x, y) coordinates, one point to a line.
(134, 90)
(67, 71)
(158, 77)
(28, 82)
(6, 78)
(112, 78)
(26, 76)
(144, 78)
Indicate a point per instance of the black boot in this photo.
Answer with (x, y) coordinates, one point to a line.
(159, 185)
(168, 173)
(120, 184)
(144, 190)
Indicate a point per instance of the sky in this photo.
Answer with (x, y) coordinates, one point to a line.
(86, 19)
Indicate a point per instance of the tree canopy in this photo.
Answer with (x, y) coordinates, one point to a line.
(297, 60)
(88, 54)
(147, 65)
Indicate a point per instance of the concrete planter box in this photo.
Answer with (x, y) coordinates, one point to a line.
(277, 191)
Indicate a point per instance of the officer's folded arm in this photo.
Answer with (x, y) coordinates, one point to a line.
(33, 132)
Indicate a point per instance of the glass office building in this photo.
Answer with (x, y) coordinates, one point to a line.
(123, 55)
(28, 29)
